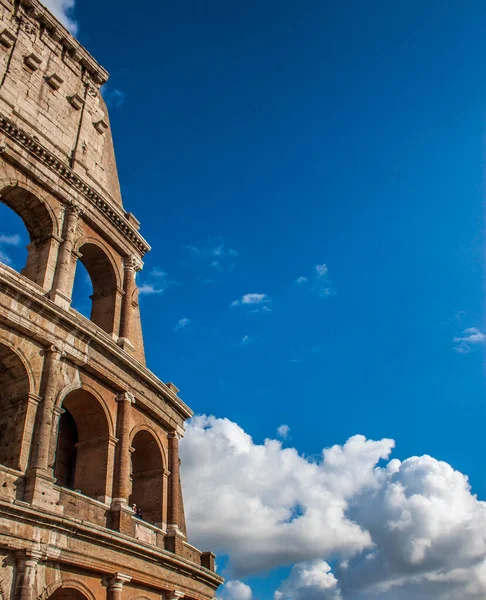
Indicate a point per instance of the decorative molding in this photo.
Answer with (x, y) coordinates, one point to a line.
(132, 263)
(125, 397)
(74, 180)
(60, 34)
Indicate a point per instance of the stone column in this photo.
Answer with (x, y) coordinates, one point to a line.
(42, 434)
(121, 483)
(174, 483)
(175, 538)
(62, 285)
(27, 562)
(39, 476)
(121, 513)
(114, 585)
(131, 266)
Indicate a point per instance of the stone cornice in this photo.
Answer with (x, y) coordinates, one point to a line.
(90, 334)
(60, 34)
(112, 213)
(109, 539)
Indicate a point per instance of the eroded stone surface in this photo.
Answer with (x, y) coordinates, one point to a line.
(86, 430)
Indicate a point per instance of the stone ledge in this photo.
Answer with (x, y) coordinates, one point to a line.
(112, 540)
(91, 333)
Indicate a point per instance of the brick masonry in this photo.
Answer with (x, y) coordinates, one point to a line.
(86, 430)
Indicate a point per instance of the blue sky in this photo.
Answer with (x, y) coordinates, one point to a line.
(311, 179)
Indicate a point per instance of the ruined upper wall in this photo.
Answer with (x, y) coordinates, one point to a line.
(50, 88)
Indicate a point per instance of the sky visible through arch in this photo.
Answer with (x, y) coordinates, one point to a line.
(311, 180)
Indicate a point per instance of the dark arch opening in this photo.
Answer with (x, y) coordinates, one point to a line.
(147, 477)
(81, 460)
(40, 227)
(67, 593)
(104, 285)
(14, 395)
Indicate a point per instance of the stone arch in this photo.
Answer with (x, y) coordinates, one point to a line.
(83, 439)
(68, 589)
(147, 475)
(150, 429)
(78, 385)
(15, 390)
(105, 277)
(6, 341)
(42, 227)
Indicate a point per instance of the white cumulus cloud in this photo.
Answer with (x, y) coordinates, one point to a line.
(251, 299)
(63, 10)
(470, 338)
(310, 581)
(235, 590)
(408, 530)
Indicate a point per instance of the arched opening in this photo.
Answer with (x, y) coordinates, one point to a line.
(41, 251)
(14, 401)
(82, 445)
(67, 593)
(147, 477)
(104, 286)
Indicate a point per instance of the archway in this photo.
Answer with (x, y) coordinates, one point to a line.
(81, 461)
(14, 396)
(67, 593)
(39, 223)
(147, 477)
(104, 284)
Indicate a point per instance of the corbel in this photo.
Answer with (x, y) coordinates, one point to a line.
(55, 81)
(33, 61)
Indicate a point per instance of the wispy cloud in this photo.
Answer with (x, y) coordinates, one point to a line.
(8, 240)
(217, 255)
(158, 282)
(320, 282)
(246, 339)
(283, 431)
(181, 323)
(63, 10)
(113, 98)
(471, 338)
(251, 300)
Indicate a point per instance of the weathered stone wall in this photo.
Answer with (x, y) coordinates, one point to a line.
(86, 430)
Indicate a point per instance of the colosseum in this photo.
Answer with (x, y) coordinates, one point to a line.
(87, 432)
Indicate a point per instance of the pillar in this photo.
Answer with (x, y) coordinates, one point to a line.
(121, 483)
(173, 508)
(175, 538)
(27, 562)
(39, 476)
(131, 265)
(63, 277)
(43, 428)
(121, 513)
(114, 585)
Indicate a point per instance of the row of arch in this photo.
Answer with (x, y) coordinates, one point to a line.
(83, 442)
(45, 230)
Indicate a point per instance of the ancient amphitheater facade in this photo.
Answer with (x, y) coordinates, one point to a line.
(86, 430)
